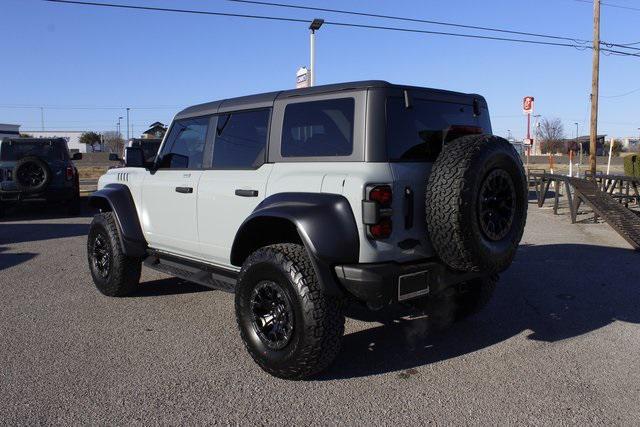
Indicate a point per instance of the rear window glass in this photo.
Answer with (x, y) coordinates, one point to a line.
(318, 128)
(16, 150)
(418, 133)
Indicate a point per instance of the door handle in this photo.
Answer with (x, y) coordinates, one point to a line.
(247, 193)
(185, 190)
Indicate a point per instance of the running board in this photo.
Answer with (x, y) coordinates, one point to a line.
(193, 271)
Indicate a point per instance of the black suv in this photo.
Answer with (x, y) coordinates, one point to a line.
(38, 169)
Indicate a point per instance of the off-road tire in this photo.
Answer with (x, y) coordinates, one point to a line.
(123, 272)
(318, 323)
(74, 208)
(456, 302)
(453, 200)
(474, 295)
(38, 163)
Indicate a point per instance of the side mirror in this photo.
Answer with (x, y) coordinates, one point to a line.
(113, 157)
(134, 157)
(76, 156)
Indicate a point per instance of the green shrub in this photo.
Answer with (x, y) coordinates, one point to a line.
(632, 165)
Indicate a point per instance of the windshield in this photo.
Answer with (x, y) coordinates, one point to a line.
(16, 150)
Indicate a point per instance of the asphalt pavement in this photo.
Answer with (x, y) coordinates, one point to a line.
(558, 344)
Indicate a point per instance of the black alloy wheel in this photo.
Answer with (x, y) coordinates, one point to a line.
(31, 174)
(101, 255)
(496, 204)
(272, 315)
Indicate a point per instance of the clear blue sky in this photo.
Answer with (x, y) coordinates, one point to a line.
(59, 56)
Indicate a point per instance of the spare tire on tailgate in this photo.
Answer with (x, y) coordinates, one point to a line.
(31, 174)
(476, 203)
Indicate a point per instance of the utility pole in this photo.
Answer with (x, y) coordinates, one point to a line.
(315, 25)
(42, 117)
(128, 123)
(595, 85)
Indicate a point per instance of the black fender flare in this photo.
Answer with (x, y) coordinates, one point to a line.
(325, 223)
(117, 199)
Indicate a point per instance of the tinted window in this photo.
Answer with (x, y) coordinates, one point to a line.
(184, 148)
(241, 140)
(46, 149)
(418, 133)
(318, 128)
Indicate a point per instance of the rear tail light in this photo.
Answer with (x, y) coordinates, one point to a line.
(376, 211)
(69, 173)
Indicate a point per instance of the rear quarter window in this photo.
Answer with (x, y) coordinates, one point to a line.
(418, 133)
(318, 128)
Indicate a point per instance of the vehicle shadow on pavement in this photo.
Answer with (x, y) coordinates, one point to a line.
(33, 232)
(551, 293)
(9, 260)
(168, 286)
(40, 210)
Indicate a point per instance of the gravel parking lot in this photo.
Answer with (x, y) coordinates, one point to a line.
(559, 344)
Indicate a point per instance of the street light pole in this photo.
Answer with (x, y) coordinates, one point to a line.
(119, 134)
(128, 123)
(315, 25)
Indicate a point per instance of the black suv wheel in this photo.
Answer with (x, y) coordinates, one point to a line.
(114, 273)
(288, 325)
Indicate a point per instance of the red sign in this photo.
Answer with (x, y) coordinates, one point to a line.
(527, 104)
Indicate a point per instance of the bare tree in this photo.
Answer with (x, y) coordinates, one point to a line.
(550, 133)
(113, 141)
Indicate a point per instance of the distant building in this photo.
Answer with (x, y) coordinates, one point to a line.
(156, 131)
(72, 137)
(631, 144)
(585, 141)
(9, 131)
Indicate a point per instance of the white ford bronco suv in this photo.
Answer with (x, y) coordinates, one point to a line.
(302, 200)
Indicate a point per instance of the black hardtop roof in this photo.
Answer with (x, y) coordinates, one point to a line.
(265, 99)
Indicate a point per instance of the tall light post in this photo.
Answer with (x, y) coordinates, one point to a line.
(119, 118)
(315, 25)
(536, 130)
(579, 143)
(128, 123)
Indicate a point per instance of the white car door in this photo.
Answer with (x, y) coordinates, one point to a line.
(236, 182)
(169, 193)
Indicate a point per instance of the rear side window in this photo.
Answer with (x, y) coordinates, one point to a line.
(184, 148)
(241, 140)
(418, 133)
(318, 128)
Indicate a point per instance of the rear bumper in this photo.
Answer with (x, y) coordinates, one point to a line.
(384, 283)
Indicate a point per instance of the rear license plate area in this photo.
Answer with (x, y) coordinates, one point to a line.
(413, 285)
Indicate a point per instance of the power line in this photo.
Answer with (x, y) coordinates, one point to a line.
(425, 21)
(335, 23)
(618, 6)
(621, 95)
(406, 19)
(86, 107)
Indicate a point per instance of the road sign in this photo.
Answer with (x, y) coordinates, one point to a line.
(527, 104)
(302, 78)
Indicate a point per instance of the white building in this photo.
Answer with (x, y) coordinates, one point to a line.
(631, 144)
(9, 131)
(72, 137)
